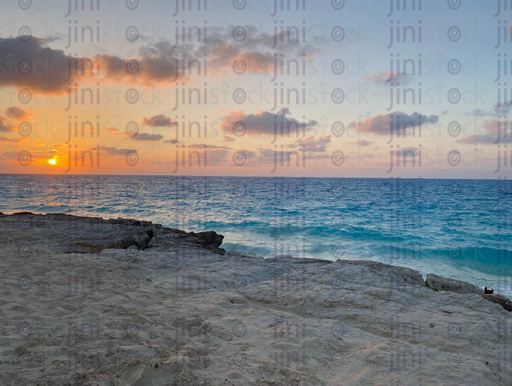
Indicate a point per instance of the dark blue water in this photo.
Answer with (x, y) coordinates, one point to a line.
(456, 228)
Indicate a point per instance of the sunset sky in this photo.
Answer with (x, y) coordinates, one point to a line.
(207, 102)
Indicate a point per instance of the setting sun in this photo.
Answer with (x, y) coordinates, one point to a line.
(52, 162)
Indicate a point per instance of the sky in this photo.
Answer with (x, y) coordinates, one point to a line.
(341, 88)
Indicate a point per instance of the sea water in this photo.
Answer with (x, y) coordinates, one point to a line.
(459, 229)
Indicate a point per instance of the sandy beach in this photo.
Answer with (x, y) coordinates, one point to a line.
(87, 301)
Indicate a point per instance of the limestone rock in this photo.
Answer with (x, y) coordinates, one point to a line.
(499, 299)
(176, 313)
(438, 283)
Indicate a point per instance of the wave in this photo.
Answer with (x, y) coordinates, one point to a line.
(485, 259)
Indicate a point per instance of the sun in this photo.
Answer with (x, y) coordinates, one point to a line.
(52, 162)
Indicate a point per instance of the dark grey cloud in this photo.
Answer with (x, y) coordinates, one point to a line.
(498, 109)
(264, 122)
(205, 146)
(18, 114)
(362, 143)
(13, 140)
(113, 151)
(312, 144)
(256, 48)
(501, 109)
(147, 137)
(495, 131)
(159, 120)
(478, 113)
(5, 125)
(41, 155)
(387, 78)
(408, 151)
(31, 63)
(381, 124)
(41, 69)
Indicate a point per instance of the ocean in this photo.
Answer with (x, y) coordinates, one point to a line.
(459, 229)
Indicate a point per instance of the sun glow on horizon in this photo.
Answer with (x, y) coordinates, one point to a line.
(52, 161)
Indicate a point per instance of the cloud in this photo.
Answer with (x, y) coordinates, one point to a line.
(112, 130)
(41, 155)
(311, 144)
(9, 155)
(5, 126)
(501, 108)
(147, 137)
(292, 157)
(478, 113)
(228, 139)
(57, 144)
(496, 131)
(114, 151)
(362, 143)
(387, 78)
(264, 122)
(18, 114)
(171, 141)
(159, 120)
(205, 146)
(408, 151)
(13, 140)
(36, 66)
(217, 156)
(45, 70)
(498, 109)
(381, 124)
(256, 49)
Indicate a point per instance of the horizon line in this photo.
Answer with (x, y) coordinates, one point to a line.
(224, 176)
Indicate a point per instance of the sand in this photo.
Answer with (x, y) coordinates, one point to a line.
(121, 302)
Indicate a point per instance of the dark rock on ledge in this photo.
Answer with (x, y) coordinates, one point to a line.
(499, 299)
(438, 283)
(64, 233)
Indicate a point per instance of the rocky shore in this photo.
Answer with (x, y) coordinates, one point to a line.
(88, 301)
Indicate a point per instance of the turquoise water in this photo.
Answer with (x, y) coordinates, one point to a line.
(455, 228)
